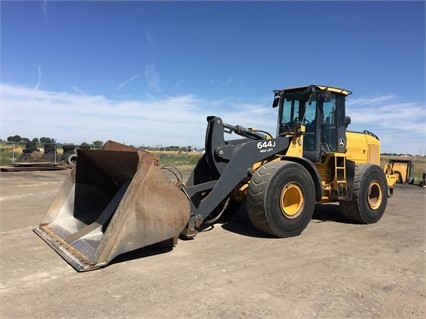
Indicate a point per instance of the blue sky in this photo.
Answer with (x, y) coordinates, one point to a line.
(149, 73)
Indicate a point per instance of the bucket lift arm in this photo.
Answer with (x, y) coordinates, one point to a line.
(224, 165)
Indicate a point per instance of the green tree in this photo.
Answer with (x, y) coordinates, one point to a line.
(46, 140)
(15, 139)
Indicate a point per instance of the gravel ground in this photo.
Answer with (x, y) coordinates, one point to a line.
(334, 269)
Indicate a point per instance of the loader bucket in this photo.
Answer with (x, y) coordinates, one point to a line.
(115, 200)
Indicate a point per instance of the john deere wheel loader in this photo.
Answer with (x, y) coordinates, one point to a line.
(117, 199)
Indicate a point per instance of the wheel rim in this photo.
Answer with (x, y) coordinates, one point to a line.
(375, 195)
(292, 200)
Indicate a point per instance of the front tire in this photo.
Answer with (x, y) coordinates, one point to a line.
(281, 198)
(369, 195)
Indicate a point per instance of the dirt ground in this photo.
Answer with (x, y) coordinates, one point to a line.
(334, 269)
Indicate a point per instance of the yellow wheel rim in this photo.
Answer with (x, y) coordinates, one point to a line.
(292, 201)
(375, 195)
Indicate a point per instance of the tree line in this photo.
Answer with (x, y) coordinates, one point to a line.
(19, 139)
(44, 140)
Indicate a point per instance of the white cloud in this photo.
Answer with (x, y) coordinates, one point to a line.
(75, 117)
(370, 101)
(148, 37)
(407, 116)
(225, 83)
(399, 125)
(40, 75)
(127, 81)
(79, 91)
(152, 77)
(44, 10)
(177, 84)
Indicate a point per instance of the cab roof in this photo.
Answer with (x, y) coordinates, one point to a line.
(320, 87)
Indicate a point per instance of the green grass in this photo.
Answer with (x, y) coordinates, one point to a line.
(179, 160)
(7, 154)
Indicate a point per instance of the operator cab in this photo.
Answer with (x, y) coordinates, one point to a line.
(321, 110)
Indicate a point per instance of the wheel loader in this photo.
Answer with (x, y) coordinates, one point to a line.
(403, 169)
(119, 199)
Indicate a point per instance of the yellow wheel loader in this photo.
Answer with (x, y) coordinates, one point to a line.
(402, 169)
(118, 199)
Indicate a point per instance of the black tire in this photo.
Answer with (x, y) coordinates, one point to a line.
(281, 198)
(370, 195)
(72, 159)
(399, 177)
(68, 149)
(30, 147)
(49, 148)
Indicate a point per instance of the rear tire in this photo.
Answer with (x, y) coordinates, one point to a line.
(370, 195)
(281, 198)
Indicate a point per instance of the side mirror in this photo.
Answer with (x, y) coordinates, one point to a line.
(347, 120)
(276, 101)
